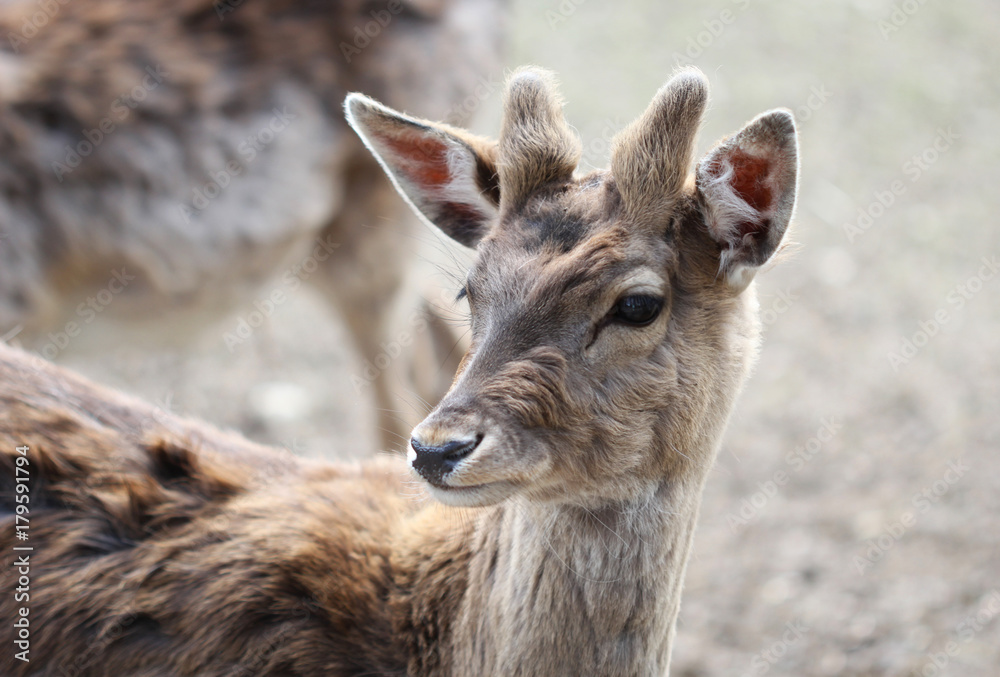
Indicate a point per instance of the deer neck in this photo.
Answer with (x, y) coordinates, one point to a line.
(565, 590)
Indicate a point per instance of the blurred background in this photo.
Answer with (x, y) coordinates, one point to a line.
(850, 525)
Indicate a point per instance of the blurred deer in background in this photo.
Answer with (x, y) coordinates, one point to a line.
(614, 321)
(180, 153)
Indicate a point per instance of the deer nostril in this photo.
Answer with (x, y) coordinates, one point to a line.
(434, 461)
(456, 450)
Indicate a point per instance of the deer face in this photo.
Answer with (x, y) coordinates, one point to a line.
(611, 326)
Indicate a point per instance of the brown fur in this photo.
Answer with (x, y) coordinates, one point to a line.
(164, 547)
(226, 65)
(536, 145)
(667, 129)
(562, 545)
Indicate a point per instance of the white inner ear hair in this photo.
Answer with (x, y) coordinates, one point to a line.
(726, 210)
(462, 187)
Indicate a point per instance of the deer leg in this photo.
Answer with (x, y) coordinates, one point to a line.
(370, 249)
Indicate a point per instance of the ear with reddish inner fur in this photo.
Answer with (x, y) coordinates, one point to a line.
(448, 175)
(748, 186)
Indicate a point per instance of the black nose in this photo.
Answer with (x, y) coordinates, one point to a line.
(434, 462)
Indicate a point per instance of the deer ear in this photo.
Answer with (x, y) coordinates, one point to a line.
(447, 175)
(748, 186)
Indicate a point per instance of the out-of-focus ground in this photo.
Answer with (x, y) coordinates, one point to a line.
(850, 526)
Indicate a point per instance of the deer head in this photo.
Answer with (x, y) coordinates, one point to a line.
(613, 316)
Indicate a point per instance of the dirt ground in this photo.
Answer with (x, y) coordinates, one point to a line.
(850, 525)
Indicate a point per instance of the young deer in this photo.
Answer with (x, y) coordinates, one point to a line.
(613, 322)
(197, 148)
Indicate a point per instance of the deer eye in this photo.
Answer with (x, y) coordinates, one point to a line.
(637, 310)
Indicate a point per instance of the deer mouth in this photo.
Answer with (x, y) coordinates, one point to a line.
(475, 495)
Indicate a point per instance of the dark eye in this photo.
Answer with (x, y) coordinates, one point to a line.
(637, 310)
